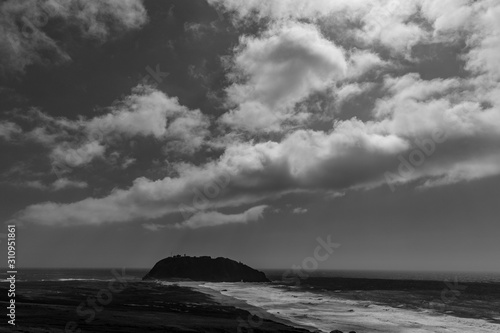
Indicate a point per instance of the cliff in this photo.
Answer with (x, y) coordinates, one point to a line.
(204, 269)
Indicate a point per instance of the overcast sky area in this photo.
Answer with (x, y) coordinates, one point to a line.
(130, 130)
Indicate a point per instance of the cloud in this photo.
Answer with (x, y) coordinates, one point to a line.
(64, 183)
(142, 113)
(285, 9)
(299, 210)
(274, 72)
(448, 15)
(128, 162)
(351, 90)
(35, 184)
(244, 174)
(353, 154)
(59, 184)
(149, 112)
(25, 41)
(273, 76)
(362, 62)
(152, 227)
(146, 112)
(7, 129)
(66, 155)
(387, 23)
(483, 57)
(392, 27)
(212, 219)
(415, 108)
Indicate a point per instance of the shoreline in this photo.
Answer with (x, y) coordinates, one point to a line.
(74, 306)
(220, 298)
(187, 306)
(327, 311)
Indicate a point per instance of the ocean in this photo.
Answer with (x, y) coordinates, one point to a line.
(105, 274)
(74, 274)
(361, 301)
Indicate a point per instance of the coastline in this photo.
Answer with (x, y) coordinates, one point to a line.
(327, 311)
(48, 304)
(241, 304)
(70, 306)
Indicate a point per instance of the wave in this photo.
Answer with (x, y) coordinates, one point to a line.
(327, 312)
(104, 280)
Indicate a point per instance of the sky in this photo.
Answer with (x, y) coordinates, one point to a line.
(132, 130)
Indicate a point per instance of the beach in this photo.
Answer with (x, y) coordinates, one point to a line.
(327, 311)
(117, 301)
(65, 306)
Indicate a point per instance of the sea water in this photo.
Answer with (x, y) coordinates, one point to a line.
(368, 311)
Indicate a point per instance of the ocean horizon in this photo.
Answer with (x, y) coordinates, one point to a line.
(38, 273)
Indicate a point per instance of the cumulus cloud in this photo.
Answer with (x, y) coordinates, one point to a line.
(7, 129)
(448, 15)
(25, 41)
(430, 132)
(383, 22)
(299, 210)
(349, 91)
(65, 154)
(483, 57)
(278, 70)
(149, 112)
(145, 113)
(353, 154)
(286, 9)
(244, 174)
(59, 184)
(64, 183)
(362, 62)
(389, 24)
(212, 219)
(35, 184)
(152, 226)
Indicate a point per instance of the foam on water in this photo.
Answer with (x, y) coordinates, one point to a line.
(326, 312)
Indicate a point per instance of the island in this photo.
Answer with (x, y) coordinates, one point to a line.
(204, 268)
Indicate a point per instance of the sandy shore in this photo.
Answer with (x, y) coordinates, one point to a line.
(240, 304)
(327, 311)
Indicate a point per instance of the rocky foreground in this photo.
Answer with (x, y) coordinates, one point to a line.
(136, 307)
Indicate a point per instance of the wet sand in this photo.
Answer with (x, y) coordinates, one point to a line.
(240, 304)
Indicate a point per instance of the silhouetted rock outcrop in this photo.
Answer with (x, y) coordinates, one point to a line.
(204, 269)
